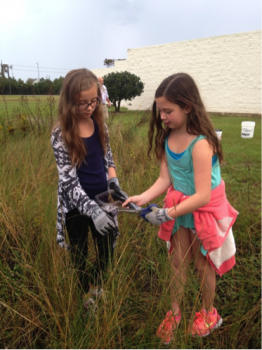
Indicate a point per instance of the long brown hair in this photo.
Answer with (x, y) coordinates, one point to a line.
(181, 89)
(77, 80)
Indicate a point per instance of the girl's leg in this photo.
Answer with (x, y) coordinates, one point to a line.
(206, 273)
(104, 252)
(181, 257)
(77, 226)
(180, 260)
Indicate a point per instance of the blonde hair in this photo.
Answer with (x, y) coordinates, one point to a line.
(77, 80)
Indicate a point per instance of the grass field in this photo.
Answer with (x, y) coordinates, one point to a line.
(39, 300)
(9, 104)
(13, 103)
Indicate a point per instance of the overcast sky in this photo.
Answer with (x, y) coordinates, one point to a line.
(61, 35)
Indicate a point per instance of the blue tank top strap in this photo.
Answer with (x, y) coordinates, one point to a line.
(181, 168)
(177, 156)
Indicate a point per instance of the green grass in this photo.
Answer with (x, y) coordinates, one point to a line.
(21, 114)
(13, 103)
(39, 300)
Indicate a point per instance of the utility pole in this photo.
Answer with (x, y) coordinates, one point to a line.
(5, 69)
(9, 79)
(38, 70)
(2, 70)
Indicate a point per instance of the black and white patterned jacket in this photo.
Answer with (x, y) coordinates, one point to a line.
(70, 192)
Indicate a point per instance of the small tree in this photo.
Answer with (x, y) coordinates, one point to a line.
(57, 85)
(30, 81)
(109, 62)
(122, 86)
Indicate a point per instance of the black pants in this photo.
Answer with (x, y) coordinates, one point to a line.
(77, 226)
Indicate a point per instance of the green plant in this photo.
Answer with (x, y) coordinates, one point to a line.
(122, 86)
(26, 117)
(40, 303)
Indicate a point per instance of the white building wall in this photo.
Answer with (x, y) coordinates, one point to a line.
(227, 70)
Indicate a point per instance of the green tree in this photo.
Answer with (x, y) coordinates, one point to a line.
(57, 85)
(109, 62)
(25, 88)
(43, 86)
(29, 81)
(19, 87)
(4, 86)
(14, 86)
(122, 86)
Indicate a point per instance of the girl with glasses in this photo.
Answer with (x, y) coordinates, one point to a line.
(85, 169)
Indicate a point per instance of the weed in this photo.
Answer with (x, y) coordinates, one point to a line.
(40, 303)
(25, 117)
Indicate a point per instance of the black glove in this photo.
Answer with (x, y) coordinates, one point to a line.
(113, 184)
(102, 221)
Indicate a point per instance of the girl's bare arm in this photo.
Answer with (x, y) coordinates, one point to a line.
(159, 187)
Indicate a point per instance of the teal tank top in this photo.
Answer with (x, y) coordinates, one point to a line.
(181, 173)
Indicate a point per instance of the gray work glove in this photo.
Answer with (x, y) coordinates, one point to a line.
(102, 221)
(158, 216)
(113, 184)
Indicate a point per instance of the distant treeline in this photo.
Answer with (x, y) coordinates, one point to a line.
(42, 86)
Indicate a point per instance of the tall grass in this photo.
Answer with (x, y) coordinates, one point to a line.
(40, 302)
(23, 114)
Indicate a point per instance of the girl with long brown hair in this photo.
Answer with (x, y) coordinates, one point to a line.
(185, 142)
(85, 168)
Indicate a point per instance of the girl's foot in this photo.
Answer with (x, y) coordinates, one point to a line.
(92, 297)
(98, 293)
(205, 322)
(90, 305)
(166, 330)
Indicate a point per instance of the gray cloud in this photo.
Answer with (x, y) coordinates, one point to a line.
(68, 34)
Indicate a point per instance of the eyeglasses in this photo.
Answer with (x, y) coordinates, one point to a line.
(84, 105)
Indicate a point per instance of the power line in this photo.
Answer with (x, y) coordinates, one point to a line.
(19, 65)
(67, 69)
(49, 70)
(31, 70)
(26, 70)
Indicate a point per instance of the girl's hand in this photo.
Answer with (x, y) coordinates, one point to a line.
(158, 216)
(102, 221)
(138, 200)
